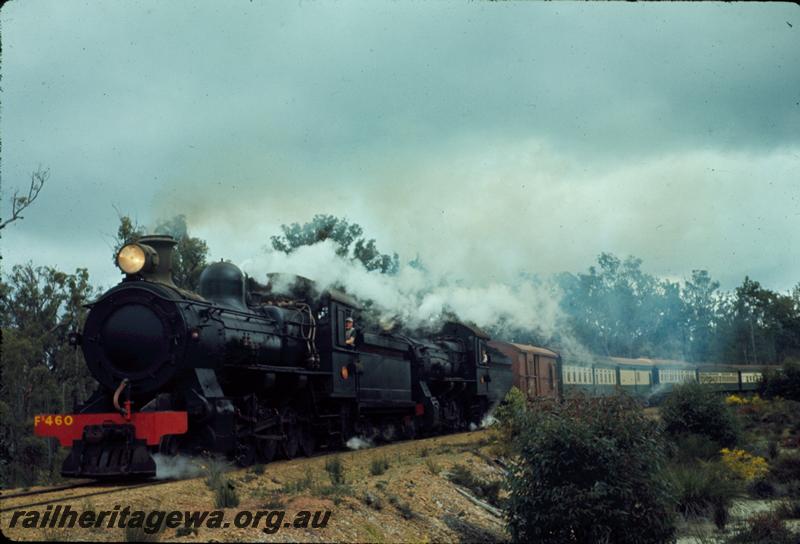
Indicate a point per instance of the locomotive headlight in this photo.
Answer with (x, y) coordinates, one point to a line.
(134, 258)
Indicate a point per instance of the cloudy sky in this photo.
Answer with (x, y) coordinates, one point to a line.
(487, 138)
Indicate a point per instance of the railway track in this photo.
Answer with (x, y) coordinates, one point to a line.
(105, 489)
(4, 497)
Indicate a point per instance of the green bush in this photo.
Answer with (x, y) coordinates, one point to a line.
(273, 501)
(764, 528)
(790, 489)
(336, 492)
(789, 509)
(785, 384)
(335, 470)
(702, 490)
(378, 466)
(761, 489)
(588, 472)
(779, 413)
(689, 448)
(216, 469)
(225, 495)
(25, 466)
(510, 416)
(296, 486)
(402, 506)
(433, 467)
(785, 468)
(693, 409)
(372, 500)
(511, 408)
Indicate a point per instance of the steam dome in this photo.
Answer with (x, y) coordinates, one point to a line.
(223, 283)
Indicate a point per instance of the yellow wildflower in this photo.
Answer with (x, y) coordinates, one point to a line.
(744, 465)
(735, 399)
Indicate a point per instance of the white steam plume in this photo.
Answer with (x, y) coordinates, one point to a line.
(359, 443)
(418, 299)
(176, 467)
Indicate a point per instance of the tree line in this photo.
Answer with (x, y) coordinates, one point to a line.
(614, 308)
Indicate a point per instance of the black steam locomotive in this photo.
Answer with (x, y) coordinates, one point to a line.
(252, 371)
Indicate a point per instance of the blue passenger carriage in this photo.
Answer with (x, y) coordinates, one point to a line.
(719, 377)
(635, 376)
(750, 378)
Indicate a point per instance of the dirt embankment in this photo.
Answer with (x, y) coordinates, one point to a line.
(395, 493)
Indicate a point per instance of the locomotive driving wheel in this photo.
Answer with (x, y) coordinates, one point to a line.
(266, 449)
(307, 440)
(245, 453)
(291, 429)
(388, 432)
(409, 428)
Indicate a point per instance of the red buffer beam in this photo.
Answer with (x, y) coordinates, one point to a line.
(149, 426)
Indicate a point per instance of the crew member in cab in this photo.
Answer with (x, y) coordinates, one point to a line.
(349, 332)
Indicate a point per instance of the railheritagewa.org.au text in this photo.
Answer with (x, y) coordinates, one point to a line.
(151, 522)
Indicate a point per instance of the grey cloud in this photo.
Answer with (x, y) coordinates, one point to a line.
(478, 212)
(245, 116)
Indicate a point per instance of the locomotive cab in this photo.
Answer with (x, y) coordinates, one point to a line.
(478, 355)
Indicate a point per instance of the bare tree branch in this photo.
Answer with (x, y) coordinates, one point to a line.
(20, 203)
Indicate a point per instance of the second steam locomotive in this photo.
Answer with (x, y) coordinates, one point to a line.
(252, 371)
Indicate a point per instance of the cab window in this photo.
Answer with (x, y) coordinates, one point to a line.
(342, 316)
